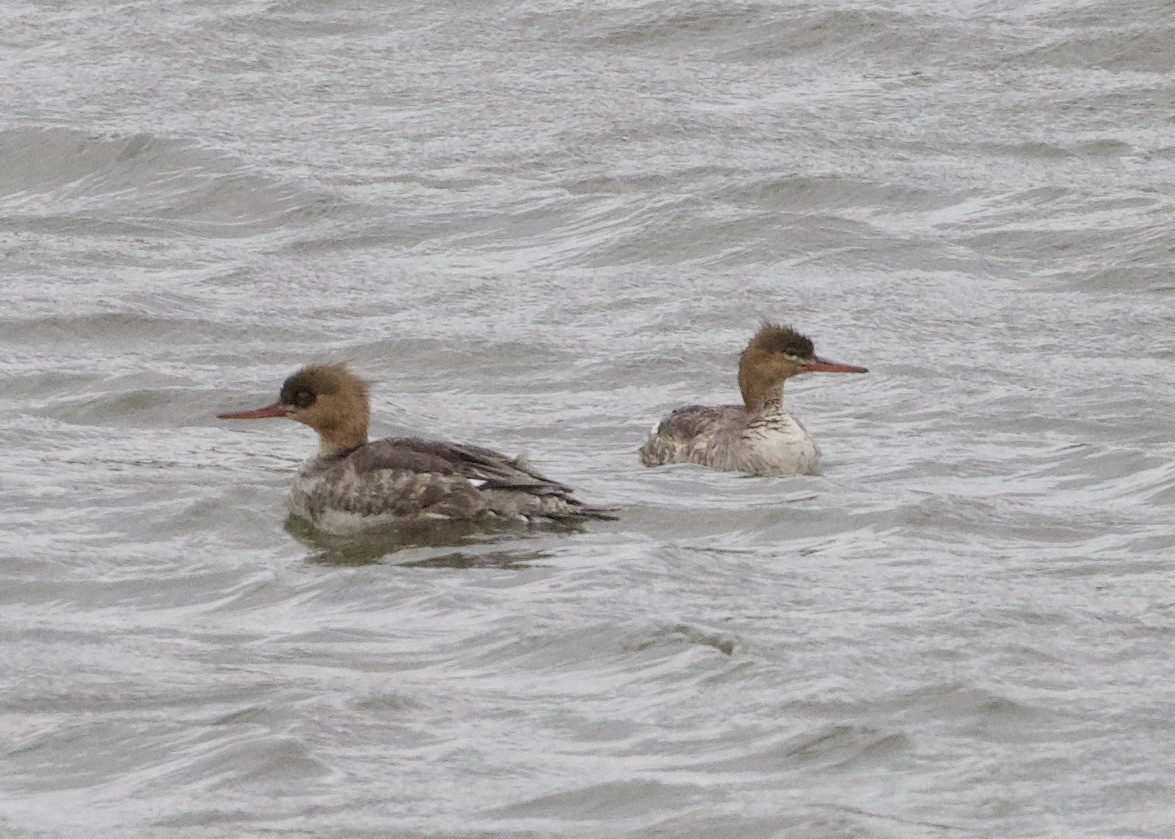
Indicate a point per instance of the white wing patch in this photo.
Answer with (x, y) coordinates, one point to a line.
(476, 483)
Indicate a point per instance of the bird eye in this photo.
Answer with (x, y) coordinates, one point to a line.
(303, 399)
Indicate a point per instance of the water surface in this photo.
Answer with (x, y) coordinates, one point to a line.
(538, 227)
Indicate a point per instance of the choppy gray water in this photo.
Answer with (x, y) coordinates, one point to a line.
(538, 226)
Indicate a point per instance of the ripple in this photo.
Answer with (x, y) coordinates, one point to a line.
(58, 178)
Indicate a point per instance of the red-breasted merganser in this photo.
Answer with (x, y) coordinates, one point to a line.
(758, 437)
(352, 484)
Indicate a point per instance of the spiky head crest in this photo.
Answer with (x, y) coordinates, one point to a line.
(322, 380)
(773, 338)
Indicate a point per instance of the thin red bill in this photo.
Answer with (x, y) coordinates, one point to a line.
(823, 365)
(274, 410)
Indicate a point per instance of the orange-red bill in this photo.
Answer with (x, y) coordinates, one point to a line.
(274, 410)
(823, 365)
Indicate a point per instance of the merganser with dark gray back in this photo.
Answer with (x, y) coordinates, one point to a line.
(758, 437)
(353, 484)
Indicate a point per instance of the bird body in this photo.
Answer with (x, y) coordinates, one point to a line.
(758, 437)
(353, 484)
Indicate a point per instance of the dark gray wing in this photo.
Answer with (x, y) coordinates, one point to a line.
(414, 454)
(684, 435)
(410, 476)
(697, 421)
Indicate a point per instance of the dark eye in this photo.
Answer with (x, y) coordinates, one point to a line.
(303, 399)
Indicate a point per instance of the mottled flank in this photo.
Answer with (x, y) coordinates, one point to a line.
(683, 435)
(408, 477)
(730, 439)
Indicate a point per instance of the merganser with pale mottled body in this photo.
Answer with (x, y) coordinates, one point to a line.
(353, 484)
(758, 437)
